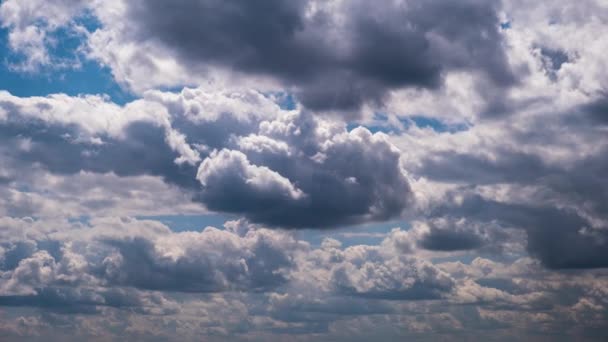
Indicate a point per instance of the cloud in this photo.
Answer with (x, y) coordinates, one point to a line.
(597, 110)
(334, 54)
(74, 264)
(33, 31)
(447, 237)
(82, 269)
(337, 56)
(136, 274)
(560, 238)
(273, 166)
(396, 279)
(209, 261)
(539, 173)
(228, 178)
(321, 174)
(478, 127)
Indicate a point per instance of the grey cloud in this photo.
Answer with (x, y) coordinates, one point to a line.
(504, 165)
(118, 263)
(325, 180)
(560, 238)
(565, 209)
(84, 268)
(257, 263)
(597, 110)
(449, 234)
(230, 181)
(539, 189)
(334, 64)
(392, 281)
(146, 281)
(142, 151)
(450, 240)
(381, 272)
(281, 168)
(69, 300)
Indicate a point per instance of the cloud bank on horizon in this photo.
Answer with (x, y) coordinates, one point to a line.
(396, 169)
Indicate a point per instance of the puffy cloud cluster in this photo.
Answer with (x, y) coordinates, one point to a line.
(336, 55)
(222, 282)
(481, 124)
(78, 265)
(148, 255)
(534, 169)
(279, 167)
(321, 174)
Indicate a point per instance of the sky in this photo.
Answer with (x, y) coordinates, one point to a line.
(310, 170)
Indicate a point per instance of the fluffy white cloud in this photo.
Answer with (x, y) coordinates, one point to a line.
(31, 27)
(259, 279)
(227, 168)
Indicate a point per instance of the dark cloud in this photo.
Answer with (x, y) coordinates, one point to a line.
(61, 150)
(503, 165)
(572, 182)
(232, 265)
(69, 300)
(14, 253)
(117, 263)
(559, 238)
(322, 182)
(450, 240)
(565, 214)
(280, 168)
(334, 64)
(597, 110)
(529, 191)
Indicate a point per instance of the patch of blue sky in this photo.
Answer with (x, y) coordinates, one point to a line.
(285, 100)
(183, 223)
(71, 72)
(467, 257)
(374, 128)
(364, 234)
(437, 125)
(88, 20)
(82, 219)
(379, 123)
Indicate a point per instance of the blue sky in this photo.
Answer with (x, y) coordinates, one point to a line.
(88, 77)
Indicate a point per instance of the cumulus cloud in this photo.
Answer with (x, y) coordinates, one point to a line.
(76, 262)
(91, 266)
(553, 193)
(263, 280)
(322, 174)
(254, 185)
(477, 127)
(335, 55)
(275, 166)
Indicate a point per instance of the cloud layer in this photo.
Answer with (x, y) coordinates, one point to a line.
(310, 170)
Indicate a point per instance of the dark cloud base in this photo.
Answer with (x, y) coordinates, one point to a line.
(333, 66)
